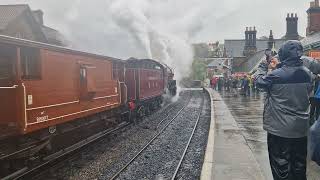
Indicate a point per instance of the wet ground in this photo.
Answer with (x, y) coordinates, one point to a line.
(233, 158)
(247, 112)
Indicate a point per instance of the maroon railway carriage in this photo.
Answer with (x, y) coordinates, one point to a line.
(44, 88)
(146, 83)
(50, 95)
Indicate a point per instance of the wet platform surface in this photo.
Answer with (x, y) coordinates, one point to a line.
(247, 113)
(232, 157)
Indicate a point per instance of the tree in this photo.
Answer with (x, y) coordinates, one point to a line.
(199, 70)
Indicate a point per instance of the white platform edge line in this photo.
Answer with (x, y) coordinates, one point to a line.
(206, 171)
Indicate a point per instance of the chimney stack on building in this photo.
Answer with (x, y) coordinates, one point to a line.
(313, 18)
(271, 41)
(250, 41)
(38, 14)
(292, 27)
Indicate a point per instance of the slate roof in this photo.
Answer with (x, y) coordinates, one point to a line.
(311, 40)
(216, 63)
(235, 47)
(251, 63)
(53, 36)
(9, 12)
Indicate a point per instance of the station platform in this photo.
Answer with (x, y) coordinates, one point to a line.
(228, 155)
(237, 144)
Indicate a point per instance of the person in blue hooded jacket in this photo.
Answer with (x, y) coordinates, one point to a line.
(286, 111)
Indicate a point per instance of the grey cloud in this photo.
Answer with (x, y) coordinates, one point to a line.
(162, 29)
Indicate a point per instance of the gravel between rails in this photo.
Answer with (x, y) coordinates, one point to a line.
(104, 157)
(192, 163)
(159, 160)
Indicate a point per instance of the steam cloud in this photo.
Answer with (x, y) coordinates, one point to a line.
(127, 28)
(160, 29)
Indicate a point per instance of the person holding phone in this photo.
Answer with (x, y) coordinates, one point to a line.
(286, 110)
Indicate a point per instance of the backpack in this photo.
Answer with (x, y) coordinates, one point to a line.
(317, 94)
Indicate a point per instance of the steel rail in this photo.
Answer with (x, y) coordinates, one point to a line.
(25, 171)
(189, 141)
(20, 174)
(148, 144)
(165, 117)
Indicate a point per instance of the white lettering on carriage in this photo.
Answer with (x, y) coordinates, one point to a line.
(42, 118)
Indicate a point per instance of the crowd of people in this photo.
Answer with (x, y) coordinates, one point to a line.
(291, 109)
(243, 85)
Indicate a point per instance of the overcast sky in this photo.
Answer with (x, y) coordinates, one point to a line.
(92, 23)
(221, 18)
(163, 29)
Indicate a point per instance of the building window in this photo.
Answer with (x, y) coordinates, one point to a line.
(30, 62)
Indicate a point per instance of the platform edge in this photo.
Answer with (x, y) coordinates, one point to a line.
(206, 171)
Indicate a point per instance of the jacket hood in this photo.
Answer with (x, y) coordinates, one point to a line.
(290, 53)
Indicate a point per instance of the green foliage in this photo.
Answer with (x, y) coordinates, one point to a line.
(199, 70)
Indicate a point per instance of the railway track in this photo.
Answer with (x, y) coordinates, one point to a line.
(174, 175)
(187, 145)
(27, 172)
(59, 157)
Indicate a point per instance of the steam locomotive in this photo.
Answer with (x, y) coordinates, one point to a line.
(47, 92)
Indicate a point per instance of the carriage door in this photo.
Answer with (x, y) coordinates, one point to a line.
(87, 82)
(8, 90)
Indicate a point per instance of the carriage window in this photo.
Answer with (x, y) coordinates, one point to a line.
(30, 62)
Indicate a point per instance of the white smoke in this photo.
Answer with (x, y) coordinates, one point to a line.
(135, 17)
(131, 17)
(159, 29)
(155, 29)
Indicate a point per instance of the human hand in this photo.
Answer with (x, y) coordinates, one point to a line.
(273, 63)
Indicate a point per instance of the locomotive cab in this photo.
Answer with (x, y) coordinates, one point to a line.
(169, 78)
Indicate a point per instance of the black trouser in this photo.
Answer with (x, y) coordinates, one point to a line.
(287, 157)
(314, 109)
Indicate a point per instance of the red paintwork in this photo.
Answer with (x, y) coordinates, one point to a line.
(63, 93)
(151, 83)
(130, 80)
(60, 83)
(58, 96)
(144, 83)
